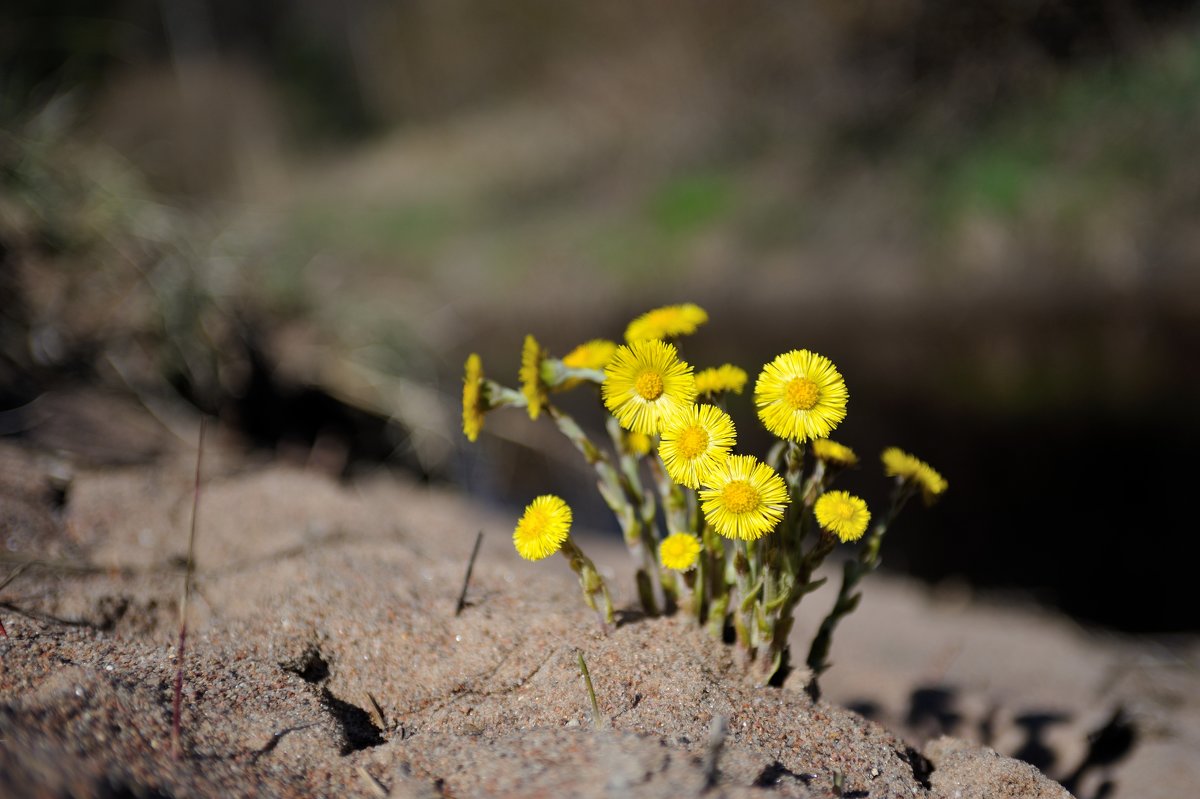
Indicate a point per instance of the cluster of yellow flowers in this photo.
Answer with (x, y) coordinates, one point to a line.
(669, 423)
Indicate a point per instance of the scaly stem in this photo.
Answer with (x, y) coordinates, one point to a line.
(624, 501)
(847, 599)
(590, 582)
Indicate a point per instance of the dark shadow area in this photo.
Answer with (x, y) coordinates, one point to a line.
(310, 666)
(359, 728)
(1108, 745)
(867, 708)
(921, 766)
(277, 737)
(931, 711)
(1034, 750)
(779, 774)
(114, 788)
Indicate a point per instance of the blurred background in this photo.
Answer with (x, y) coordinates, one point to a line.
(302, 216)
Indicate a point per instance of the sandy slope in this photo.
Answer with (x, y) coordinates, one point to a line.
(326, 660)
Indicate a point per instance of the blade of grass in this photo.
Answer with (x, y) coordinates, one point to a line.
(597, 719)
(176, 721)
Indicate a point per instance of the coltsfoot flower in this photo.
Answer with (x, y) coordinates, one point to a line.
(646, 386)
(933, 485)
(666, 322)
(679, 551)
(543, 527)
(592, 355)
(696, 442)
(744, 498)
(833, 452)
(638, 444)
(472, 397)
(800, 395)
(720, 379)
(531, 376)
(842, 514)
(898, 463)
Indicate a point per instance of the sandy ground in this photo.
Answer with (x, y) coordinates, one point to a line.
(325, 659)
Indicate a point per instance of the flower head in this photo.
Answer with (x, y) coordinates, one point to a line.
(543, 527)
(531, 376)
(743, 498)
(638, 444)
(594, 354)
(666, 322)
(898, 463)
(726, 377)
(800, 395)
(646, 385)
(472, 397)
(842, 514)
(679, 551)
(834, 453)
(698, 440)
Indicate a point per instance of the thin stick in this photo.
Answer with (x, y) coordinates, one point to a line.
(176, 746)
(462, 597)
(379, 717)
(712, 751)
(377, 787)
(14, 575)
(597, 719)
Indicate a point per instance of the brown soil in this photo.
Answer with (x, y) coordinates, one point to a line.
(325, 658)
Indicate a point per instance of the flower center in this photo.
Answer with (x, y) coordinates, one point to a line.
(693, 442)
(842, 509)
(738, 496)
(649, 385)
(801, 393)
(533, 526)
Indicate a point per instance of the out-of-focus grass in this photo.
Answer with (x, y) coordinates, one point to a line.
(655, 230)
(690, 202)
(374, 230)
(1105, 132)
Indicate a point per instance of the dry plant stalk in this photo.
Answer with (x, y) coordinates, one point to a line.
(462, 596)
(176, 716)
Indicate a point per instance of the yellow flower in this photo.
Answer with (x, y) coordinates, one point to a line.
(744, 498)
(472, 397)
(833, 452)
(898, 463)
(679, 551)
(543, 528)
(843, 514)
(666, 322)
(531, 376)
(638, 444)
(933, 485)
(646, 386)
(800, 395)
(594, 354)
(726, 377)
(695, 443)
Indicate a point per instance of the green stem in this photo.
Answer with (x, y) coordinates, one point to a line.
(622, 498)
(590, 582)
(853, 571)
